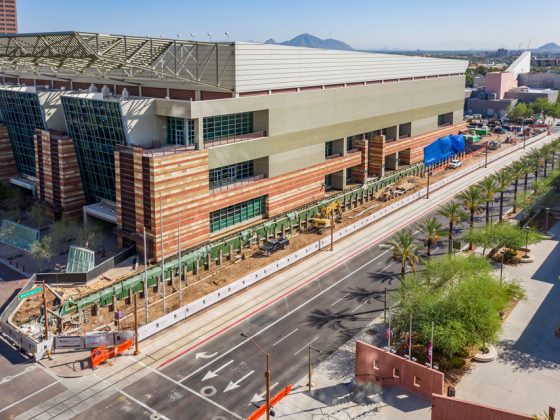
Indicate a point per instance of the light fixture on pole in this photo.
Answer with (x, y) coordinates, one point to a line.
(209, 35)
(266, 374)
(309, 367)
(227, 35)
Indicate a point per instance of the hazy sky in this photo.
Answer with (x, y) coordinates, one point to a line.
(361, 23)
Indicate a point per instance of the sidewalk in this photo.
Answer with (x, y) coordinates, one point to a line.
(526, 375)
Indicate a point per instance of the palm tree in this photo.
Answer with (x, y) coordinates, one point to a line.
(517, 170)
(555, 148)
(527, 169)
(404, 249)
(431, 229)
(546, 153)
(471, 199)
(534, 157)
(503, 181)
(488, 189)
(455, 214)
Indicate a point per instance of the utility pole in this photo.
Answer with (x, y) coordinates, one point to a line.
(385, 307)
(428, 185)
(332, 230)
(432, 349)
(180, 263)
(486, 155)
(309, 367)
(410, 339)
(266, 374)
(162, 252)
(389, 335)
(146, 300)
(136, 351)
(45, 312)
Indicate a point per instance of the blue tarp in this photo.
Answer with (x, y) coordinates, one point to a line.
(443, 148)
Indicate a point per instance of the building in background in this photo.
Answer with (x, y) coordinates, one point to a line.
(8, 17)
(152, 133)
(500, 91)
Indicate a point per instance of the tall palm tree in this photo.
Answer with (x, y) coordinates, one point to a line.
(517, 170)
(404, 249)
(527, 169)
(453, 212)
(546, 153)
(431, 229)
(503, 181)
(471, 199)
(555, 148)
(534, 157)
(488, 189)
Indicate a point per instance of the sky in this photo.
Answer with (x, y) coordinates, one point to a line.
(364, 24)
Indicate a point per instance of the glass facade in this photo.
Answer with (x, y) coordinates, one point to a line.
(180, 131)
(96, 127)
(223, 126)
(232, 215)
(22, 114)
(230, 174)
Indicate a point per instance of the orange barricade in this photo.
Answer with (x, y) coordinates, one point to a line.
(274, 400)
(101, 354)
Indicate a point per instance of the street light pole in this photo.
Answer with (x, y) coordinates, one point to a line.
(385, 307)
(486, 155)
(546, 210)
(266, 374)
(332, 230)
(180, 264)
(45, 313)
(136, 351)
(526, 242)
(146, 300)
(309, 366)
(162, 253)
(428, 184)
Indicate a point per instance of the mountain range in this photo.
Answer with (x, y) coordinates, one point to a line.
(550, 47)
(311, 41)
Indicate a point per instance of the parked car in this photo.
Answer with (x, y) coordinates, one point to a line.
(493, 145)
(455, 163)
(273, 245)
(499, 130)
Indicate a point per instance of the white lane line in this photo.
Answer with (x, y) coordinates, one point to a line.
(23, 372)
(357, 307)
(286, 336)
(338, 300)
(30, 395)
(192, 391)
(307, 345)
(282, 318)
(382, 271)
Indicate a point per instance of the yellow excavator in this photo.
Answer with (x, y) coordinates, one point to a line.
(322, 220)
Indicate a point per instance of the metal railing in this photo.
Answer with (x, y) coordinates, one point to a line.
(234, 139)
(235, 184)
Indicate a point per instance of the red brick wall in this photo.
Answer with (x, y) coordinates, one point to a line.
(445, 408)
(430, 381)
(7, 163)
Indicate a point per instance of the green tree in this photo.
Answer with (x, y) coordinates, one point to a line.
(534, 159)
(42, 250)
(503, 235)
(541, 105)
(432, 230)
(471, 199)
(519, 112)
(63, 232)
(404, 249)
(488, 189)
(37, 214)
(455, 215)
(517, 170)
(503, 181)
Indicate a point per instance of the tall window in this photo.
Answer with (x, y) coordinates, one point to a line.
(230, 174)
(22, 114)
(232, 215)
(445, 119)
(180, 131)
(96, 127)
(329, 148)
(230, 125)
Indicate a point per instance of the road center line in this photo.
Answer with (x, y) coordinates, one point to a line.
(286, 336)
(307, 345)
(29, 395)
(338, 300)
(358, 307)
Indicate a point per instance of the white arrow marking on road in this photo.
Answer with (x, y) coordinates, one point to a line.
(260, 397)
(212, 374)
(233, 385)
(205, 355)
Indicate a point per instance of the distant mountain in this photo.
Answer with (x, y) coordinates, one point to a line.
(550, 47)
(311, 41)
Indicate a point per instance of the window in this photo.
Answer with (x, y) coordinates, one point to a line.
(241, 212)
(180, 131)
(22, 114)
(230, 174)
(349, 175)
(223, 126)
(328, 182)
(95, 127)
(404, 130)
(445, 119)
(417, 381)
(396, 373)
(376, 364)
(329, 149)
(350, 141)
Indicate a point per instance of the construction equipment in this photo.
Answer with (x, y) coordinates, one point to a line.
(101, 354)
(393, 191)
(322, 220)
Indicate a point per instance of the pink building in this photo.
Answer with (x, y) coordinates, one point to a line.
(500, 82)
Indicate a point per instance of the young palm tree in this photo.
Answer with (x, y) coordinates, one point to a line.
(503, 181)
(404, 249)
(517, 170)
(488, 189)
(471, 199)
(431, 229)
(453, 212)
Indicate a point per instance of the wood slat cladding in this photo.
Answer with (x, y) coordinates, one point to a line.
(7, 162)
(181, 180)
(360, 172)
(58, 176)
